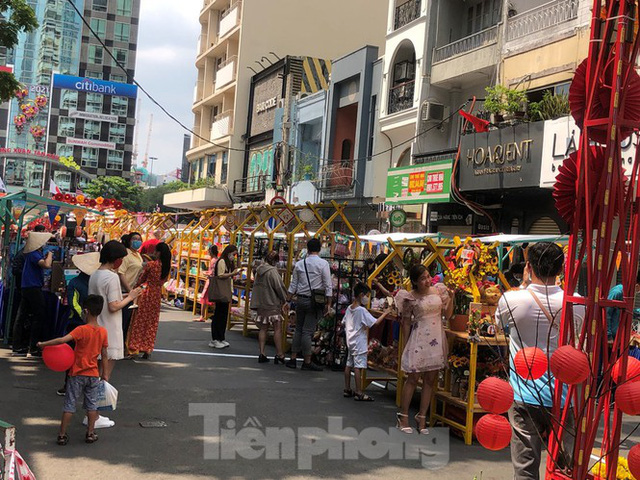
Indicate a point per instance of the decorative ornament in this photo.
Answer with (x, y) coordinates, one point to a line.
(58, 218)
(41, 101)
(628, 398)
(495, 395)
(59, 197)
(99, 201)
(21, 94)
(80, 198)
(397, 218)
(633, 370)
(530, 363)
(633, 460)
(569, 365)
(493, 432)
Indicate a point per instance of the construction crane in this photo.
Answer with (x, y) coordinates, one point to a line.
(145, 162)
(134, 159)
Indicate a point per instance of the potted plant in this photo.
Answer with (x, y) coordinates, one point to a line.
(550, 107)
(307, 171)
(505, 103)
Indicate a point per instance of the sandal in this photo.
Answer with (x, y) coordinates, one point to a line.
(421, 431)
(63, 439)
(347, 393)
(91, 438)
(362, 397)
(406, 430)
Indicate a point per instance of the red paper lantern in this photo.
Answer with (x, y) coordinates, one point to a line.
(73, 200)
(58, 358)
(633, 370)
(495, 395)
(493, 432)
(59, 197)
(530, 363)
(628, 398)
(634, 461)
(569, 365)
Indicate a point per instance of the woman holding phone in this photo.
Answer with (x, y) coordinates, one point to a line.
(225, 269)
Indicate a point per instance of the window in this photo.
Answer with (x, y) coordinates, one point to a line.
(122, 31)
(99, 25)
(96, 54)
(62, 179)
(94, 102)
(69, 99)
(90, 157)
(225, 167)
(66, 128)
(119, 106)
(100, 5)
(90, 74)
(117, 132)
(121, 56)
(346, 149)
(211, 169)
(124, 8)
(91, 130)
(115, 160)
(118, 78)
(64, 150)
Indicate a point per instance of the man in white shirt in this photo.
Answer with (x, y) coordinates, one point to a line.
(532, 317)
(309, 274)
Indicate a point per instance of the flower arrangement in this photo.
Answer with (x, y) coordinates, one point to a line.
(30, 110)
(471, 257)
(70, 163)
(599, 470)
(41, 101)
(37, 131)
(459, 365)
(21, 93)
(19, 121)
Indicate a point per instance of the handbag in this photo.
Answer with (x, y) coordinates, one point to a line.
(318, 295)
(219, 288)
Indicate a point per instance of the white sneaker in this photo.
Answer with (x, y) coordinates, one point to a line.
(224, 343)
(212, 343)
(102, 422)
(218, 344)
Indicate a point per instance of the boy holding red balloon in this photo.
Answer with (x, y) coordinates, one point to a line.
(84, 377)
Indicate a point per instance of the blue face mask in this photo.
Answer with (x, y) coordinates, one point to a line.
(136, 244)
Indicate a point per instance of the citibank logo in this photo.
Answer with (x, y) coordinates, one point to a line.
(90, 86)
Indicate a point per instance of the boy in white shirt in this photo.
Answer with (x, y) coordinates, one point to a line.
(357, 320)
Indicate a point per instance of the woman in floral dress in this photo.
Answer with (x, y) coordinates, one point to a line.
(425, 351)
(144, 326)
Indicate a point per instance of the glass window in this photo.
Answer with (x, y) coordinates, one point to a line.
(117, 132)
(100, 5)
(211, 169)
(122, 31)
(96, 54)
(225, 165)
(66, 128)
(62, 179)
(94, 102)
(121, 55)
(90, 74)
(115, 159)
(124, 8)
(69, 99)
(119, 106)
(99, 25)
(64, 150)
(91, 130)
(90, 157)
(115, 77)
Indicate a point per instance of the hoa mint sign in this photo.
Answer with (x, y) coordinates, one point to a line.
(93, 85)
(415, 184)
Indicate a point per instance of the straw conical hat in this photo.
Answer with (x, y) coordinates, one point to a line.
(36, 240)
(87, 262)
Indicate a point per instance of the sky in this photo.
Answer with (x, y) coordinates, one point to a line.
(165, 67)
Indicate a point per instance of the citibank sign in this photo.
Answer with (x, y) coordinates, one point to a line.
(94, 86)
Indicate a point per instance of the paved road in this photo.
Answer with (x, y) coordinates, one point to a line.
(185, 371)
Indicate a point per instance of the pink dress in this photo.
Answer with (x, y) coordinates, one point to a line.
(426, 348)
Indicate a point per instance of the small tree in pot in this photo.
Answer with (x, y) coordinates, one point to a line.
(505, 103)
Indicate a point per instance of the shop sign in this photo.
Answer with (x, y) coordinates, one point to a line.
(507, 157)
(28, 152)
(562, 137)
(398, 218)
(83, 142)
(416, 184)
(93, 85)
(260, 164)
(100, 117)
(267, 105)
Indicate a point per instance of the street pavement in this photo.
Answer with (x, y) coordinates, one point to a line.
(184, 372)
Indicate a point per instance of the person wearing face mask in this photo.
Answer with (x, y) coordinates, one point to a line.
(106, 283)
(425, 349)
(129, 272)
(357, 320)
(225, 269)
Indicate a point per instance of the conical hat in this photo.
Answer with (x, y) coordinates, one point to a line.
(36, 240)
(87, 262)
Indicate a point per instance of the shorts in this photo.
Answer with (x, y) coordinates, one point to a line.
(266, 319)
(357, 361)
(85, 386)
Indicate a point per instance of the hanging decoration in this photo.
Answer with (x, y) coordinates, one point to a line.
(493, 432)
(569, 365)
(530, 363)
(495, 395)
(52, 210)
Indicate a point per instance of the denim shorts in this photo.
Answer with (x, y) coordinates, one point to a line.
(357, 361)
(78, 386)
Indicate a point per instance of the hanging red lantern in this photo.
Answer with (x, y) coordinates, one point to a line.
(493, 432)
(569, 365)
(73, 201)
(633, 460)
(67, 197)
(530, 363)
(628, 398)
(59, 197)
(495, 395)
(633, 370)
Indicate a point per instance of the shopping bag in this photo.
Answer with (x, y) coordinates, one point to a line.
(107, 397)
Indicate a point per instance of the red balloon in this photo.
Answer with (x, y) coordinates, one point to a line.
(634, 461)
(633, 370)
(58, 358)
(530, 363)
(628, 398)
(569, 365)
(495, 395)
(493, 432)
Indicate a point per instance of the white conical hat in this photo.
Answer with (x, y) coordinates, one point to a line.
(36, 240)
(87, 262)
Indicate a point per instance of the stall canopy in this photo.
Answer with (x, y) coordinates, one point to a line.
(397, 237)
(505, 238)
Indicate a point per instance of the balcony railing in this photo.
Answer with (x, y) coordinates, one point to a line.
(226, 72)
(466, 44)
(229, 19)
(338, 175)
(545, 16)
(222, 125)
(406, 13)
(250, 185)
(401, 97)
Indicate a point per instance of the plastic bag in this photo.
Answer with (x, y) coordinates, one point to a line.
(107, 397)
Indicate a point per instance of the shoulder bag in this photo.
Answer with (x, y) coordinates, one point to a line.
(219, 288)
(318, 295)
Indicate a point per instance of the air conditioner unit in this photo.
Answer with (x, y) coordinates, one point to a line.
(432, 112)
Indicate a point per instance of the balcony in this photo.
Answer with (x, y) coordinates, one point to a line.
(481, 39)
(401, 97)
(222, 125)
(226, 72)
(251, 186)
(338, 175)
(230, 19)
(406, 13)
(540, 18)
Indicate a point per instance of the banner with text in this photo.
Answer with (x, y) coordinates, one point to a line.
(424, 183)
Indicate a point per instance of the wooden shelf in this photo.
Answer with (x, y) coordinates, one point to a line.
(447, 397)
(380, 368)
(499, 340)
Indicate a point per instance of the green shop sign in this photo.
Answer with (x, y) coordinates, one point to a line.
(415, 184)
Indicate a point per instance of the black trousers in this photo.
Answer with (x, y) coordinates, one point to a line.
(27, 331)
(219, 321)
(127, 313)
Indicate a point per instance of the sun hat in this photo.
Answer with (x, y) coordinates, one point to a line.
(87, 262)
(36, 240)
